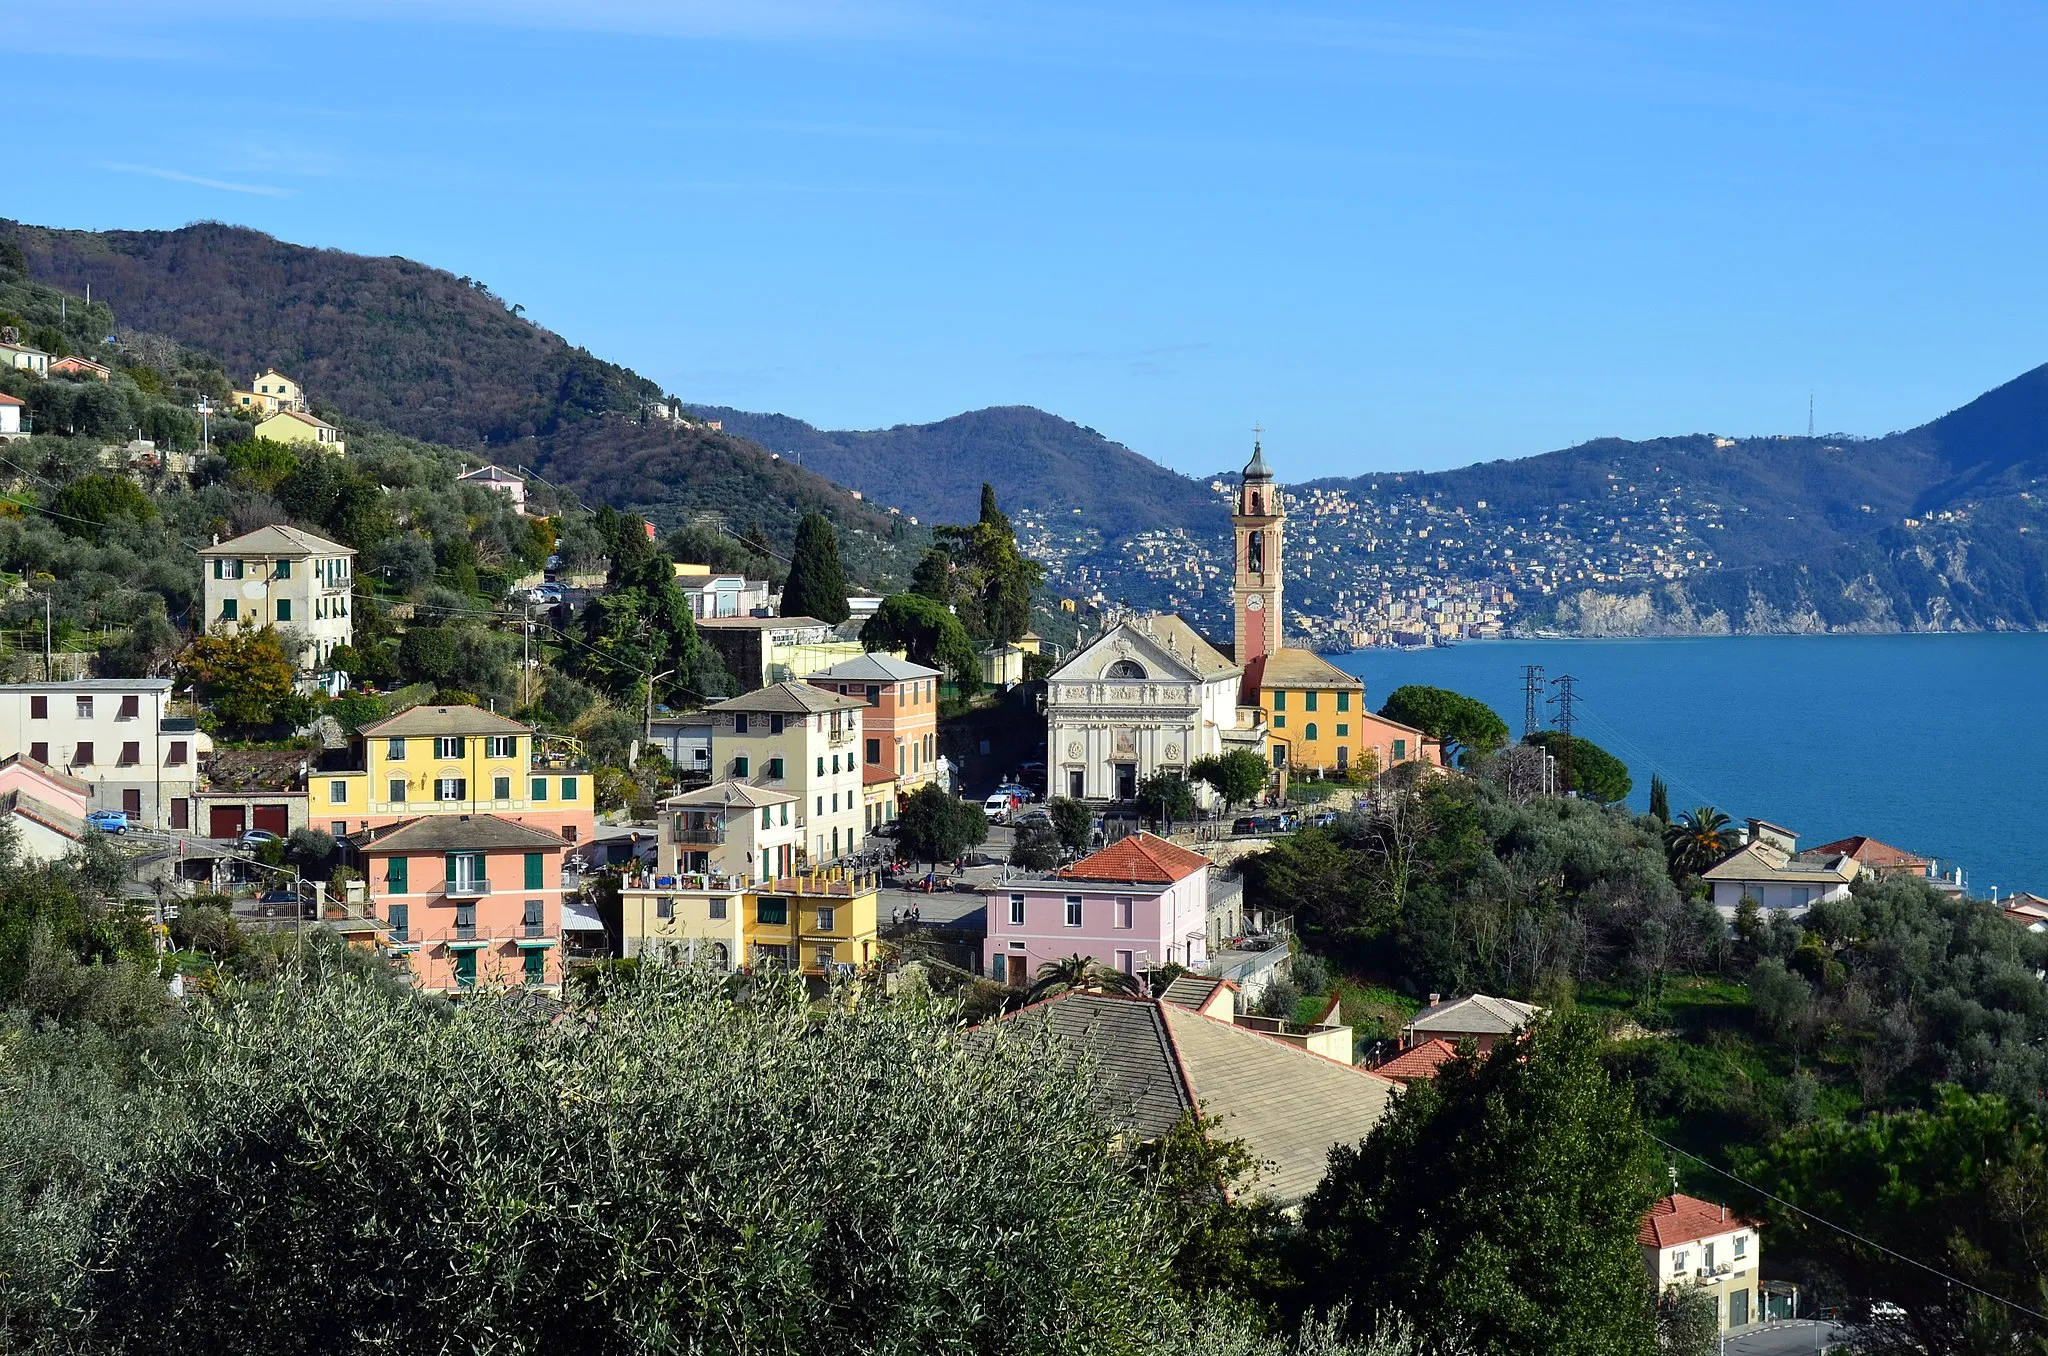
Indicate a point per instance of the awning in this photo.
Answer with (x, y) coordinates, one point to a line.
(578, 916)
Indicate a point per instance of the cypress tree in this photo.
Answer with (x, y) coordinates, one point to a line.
(817, 581)
(1660, 799)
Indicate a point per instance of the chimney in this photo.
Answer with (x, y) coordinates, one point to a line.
(1435, 998)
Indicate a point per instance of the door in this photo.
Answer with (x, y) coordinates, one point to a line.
(226, 821)
(1126, 781)
(274, 818)
(1077, 783)
(131, 802)
(1738, 1309)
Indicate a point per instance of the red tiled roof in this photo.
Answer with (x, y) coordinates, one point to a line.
(6, 399)
(1419, 1061)
(1870, 852)
(870, 773)
(1681, 1219)
(1141, 858)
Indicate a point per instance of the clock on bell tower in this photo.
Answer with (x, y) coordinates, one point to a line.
(1258, 523)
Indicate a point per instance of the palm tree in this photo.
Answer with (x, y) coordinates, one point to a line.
(1081, 974)
(1699, 841)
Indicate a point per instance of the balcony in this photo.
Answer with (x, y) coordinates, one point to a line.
(469, 888)
(699, 837)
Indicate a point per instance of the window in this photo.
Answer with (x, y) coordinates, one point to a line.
(501, 746)
(1016, 911)
(450, 746)
(540, 788)
(1125, 669)
(82, 756)
(569, 789)
(181, 812)
(739, 723)
(775, 767)
(821, 805)
(284, 569)
(827, 957)
(131, 707)
(227, 569)
(772, 911)
(835, 803)
(785, 816)
(400, 918)
(284, 609)
(1123, 911)
(535, 963)
(821, 764)
(451, 788)
(835, 762)
(1707, 1256)
(230, 610)
(531, 918)
(394, 748)
(131, 753)
(1073, 911)
(38, 708)
(717, 910)
(1279, 722)
(1400, 749)
(739, 766)
(181, 753)
(1343, 730)
(465, 969)
(825, 918)
(1126, 962)
(397, 791)
(775, 725)
(85, 708)
(1678, 1262)
(39, 752)
(533, 870)
(1279, 701)
(1741, 1246)
(395, 876)
(874, 694)
(1343, 701)
(901, 766)
(1310, 732)
(501, 788)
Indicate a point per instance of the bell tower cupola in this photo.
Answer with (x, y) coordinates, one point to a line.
(1258, 523)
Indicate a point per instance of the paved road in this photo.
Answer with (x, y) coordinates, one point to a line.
(1783, 1339)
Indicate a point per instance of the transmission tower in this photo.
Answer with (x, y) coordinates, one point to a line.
(1532, 688)
(1563, 702)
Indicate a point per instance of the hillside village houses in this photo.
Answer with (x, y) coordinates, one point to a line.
(1770, 869)
(272, 392)
(1689, 1243)
(285, 577)
(804, 740)
(498, 480)
(20, 356)
(296, 426)
(80, 368)
(11, 408)
(115, 735)
(899, 729)
(711, 594)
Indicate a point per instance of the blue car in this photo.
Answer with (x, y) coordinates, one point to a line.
(108, 821)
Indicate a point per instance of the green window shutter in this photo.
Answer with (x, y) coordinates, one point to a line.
(284, 609)
(396, 876)
(533, 871)
(1308, 701)
(569, 786)
(540, 788)
(1279, 700)
(1343, 701)
(450, 878)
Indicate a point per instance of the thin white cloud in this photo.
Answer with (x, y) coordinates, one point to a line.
(179, 177)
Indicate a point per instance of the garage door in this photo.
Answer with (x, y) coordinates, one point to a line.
(275, 818)
(225, 821)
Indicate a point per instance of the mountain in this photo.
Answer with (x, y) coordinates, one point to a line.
(392, 344)
(1035, 460)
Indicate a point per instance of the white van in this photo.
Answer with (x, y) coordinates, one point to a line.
(995, 807)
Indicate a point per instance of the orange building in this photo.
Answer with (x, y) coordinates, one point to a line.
(900, 727)
(468, 900)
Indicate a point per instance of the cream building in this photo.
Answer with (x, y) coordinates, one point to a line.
(806, 741)
(1689, 1243)
(271, 392)
(296, 426)
(1148, 695)
(117, 736)
(729, 829)
(285, 577)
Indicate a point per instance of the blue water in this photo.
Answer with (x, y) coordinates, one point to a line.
(1933, 743)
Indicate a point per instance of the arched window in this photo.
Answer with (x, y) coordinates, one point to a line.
(1126, 668)
(1310, 733)
(718, 956)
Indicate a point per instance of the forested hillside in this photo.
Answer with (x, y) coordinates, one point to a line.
(1035, 460)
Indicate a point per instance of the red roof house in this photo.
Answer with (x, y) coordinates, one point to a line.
(1679, 1218)
(1873, 856)
(1142, 858)
(1418, 1061)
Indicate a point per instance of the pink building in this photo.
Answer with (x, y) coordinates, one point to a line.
(468, 900)
(1138, 904)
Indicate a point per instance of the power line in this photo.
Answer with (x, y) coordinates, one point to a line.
(1852, 1234)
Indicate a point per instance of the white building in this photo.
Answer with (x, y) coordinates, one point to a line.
(732, 829)
(1148, 695)
(804, 740)
(1689, 1243)
(1771, 870)
(285, 577)
(10, 416)
(114, 734)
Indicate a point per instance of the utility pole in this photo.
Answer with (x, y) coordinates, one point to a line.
(647, 726)
(1563, 701)
(1532, 688)
(49, 662)
(526, 657)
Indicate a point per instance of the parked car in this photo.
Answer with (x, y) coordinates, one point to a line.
(995, 807)
(108, 821)
(254, 838)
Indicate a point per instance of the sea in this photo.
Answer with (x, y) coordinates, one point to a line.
(1933, 743)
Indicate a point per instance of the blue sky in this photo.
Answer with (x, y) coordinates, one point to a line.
(1395, 235)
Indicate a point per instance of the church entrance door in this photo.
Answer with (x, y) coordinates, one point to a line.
(1077, 784)
(1126, 781)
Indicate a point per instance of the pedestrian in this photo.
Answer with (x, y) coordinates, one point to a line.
(895, 917)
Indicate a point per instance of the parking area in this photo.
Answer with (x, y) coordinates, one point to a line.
(1797, 1335)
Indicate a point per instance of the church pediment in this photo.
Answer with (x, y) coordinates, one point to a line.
(1124, 654)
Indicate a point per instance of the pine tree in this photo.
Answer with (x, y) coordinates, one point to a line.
(817, 581)
(933, 578)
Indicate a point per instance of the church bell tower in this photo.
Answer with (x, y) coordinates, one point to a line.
(1258, 522)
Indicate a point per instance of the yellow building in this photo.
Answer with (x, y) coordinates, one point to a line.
(296, 426)
(824, 924)
(1315, 711)
(453, 760)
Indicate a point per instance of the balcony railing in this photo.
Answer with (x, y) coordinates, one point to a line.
(699, 837)
(465, 932)
(469, 888)
(533, 930)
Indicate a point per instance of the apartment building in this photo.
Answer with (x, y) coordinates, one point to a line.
(1138, 904)
(731, 829)
(822, 924)
(899, 729)
(285, 577)
(453, 761)
(468, 900)
(118, 736)
(804, 740)
(1690, 1243)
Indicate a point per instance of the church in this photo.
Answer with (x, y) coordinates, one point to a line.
(1151, 694)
